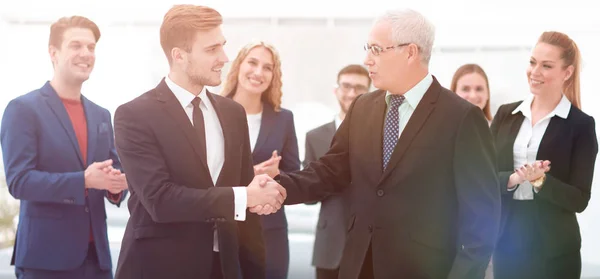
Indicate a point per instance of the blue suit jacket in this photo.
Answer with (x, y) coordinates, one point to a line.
(277, 132)
(45, 171)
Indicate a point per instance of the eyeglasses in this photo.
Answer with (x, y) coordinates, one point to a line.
(358, 89)
(376, 50)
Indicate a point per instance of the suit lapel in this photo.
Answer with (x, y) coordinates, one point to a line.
(374, 123)
(174, 109)
(92, 129)
(414, 125)
(59, 110)
(330, 131)
(513, 126)
(555, 127)
(266, 123)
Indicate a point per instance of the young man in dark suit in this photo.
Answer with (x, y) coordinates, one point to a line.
(188, 160)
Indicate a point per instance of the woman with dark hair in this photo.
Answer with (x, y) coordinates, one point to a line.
(471, 83)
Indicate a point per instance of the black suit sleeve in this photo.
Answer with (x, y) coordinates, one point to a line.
(148, 177)
(290, 159)
(252, 247)
(503, 176)
(309, 151)
(327, 175)
(574, 195)
(309, 156)
(478, 196)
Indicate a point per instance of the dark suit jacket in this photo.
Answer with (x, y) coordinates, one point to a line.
(331, 227)
(174, 205)
(277, 132)
(45, 171)
(571, 147)
(435, 211)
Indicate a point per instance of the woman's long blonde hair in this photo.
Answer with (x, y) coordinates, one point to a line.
(273, 93)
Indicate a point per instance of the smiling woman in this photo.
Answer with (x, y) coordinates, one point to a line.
(254, 81)
(471, 83)
(540, 203)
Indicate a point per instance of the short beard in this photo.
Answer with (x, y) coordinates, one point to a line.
(343, 108)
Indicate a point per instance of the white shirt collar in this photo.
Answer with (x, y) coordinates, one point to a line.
(185, 97)
(337, 121)
(561, 110)
(415, 94)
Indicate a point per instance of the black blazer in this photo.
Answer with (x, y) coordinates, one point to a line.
(435, 211)
(174, 205)
(277, 132)
(571, 147)
(330, 236)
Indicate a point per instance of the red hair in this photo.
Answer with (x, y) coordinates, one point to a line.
(571, 56)
(182, 23)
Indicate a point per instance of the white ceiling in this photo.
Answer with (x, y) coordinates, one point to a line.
(512, 12)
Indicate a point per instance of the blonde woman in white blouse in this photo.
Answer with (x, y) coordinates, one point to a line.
(546, 149)
(254, 81)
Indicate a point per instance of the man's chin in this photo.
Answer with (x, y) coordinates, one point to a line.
(204, 81)
(213, 83)
(80, 78)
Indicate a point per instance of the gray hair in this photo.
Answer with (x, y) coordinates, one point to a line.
(409, 26)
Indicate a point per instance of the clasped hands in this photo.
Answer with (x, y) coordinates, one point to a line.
(265, 195)
(529, 172)
(102, 176)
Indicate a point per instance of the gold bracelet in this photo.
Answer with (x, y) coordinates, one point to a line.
(538, 182)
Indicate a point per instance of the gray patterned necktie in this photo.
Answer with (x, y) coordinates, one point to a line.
(391, 128)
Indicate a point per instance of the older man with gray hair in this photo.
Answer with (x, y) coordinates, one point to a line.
(419, 165)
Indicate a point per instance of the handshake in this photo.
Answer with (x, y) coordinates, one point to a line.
(265, 195)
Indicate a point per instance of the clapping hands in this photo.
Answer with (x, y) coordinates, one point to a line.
(531, 172)
(102, 176)
(528, 172)
(269, 167)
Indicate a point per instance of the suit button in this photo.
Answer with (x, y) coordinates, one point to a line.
(87, 209)
(380, 193)
(370, 228)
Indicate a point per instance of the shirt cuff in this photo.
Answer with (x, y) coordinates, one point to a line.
(513, 188)
(240, 200)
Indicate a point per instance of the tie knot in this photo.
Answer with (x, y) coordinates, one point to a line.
(196, 102)
(396, 100)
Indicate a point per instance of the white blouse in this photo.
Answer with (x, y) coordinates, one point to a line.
(254, 128)
(529, 138)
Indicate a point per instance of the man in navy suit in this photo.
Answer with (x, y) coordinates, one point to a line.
(60, 161)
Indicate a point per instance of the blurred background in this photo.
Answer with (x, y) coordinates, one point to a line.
(315, 40)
